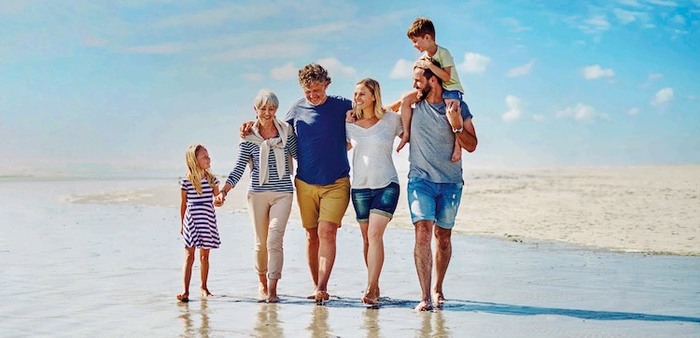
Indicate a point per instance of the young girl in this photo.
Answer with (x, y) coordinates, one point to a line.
(197, 216)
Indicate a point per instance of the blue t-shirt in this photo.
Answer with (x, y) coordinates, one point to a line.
(321, 151)
(432, 142)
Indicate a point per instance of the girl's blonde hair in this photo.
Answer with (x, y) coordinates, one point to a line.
(373, 86)
(194, 172)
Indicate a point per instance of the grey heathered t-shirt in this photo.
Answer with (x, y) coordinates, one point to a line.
(432, 142)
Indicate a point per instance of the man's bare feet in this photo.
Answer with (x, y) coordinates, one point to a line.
(424, 305)
(206, 293)
(184, 297)
(439, 299)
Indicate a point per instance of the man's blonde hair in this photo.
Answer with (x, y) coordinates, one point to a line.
(311, 73)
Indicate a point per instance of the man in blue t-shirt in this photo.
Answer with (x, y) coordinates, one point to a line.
(323, 173)
(434, 181)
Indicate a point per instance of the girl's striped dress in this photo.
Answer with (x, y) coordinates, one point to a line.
(200, 229)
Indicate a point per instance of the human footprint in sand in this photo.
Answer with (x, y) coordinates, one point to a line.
(197, 216)
(434, 181)
(269, 150)
(375, 183)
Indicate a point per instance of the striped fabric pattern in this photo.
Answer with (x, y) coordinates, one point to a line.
(200, 229)
(250, 153)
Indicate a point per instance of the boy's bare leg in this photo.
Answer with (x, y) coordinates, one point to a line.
(452, 104)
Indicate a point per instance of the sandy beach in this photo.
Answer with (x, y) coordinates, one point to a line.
(102, 257)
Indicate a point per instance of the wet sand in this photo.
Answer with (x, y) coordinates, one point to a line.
(113, 269)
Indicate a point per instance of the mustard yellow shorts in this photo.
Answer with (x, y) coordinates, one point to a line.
(322, 203)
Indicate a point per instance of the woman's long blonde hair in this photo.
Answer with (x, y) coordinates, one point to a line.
(194, 172)
(373, 86)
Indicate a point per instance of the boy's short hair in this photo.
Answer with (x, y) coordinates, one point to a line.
(313, 72)
(421, 27)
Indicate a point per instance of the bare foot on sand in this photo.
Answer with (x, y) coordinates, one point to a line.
(438, 299)
(424, 305)
(273, 299)
(262, 293)
(206, 293)
(184, 297)
(311, 296)
(371, 297)
(321, 296)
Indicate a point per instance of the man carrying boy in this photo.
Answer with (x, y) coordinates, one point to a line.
(434, 181)
(422, 34)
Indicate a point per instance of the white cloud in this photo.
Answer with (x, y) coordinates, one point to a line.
(474, 63)
(625, 16)
(286, 72)
(256, 77)
(335, 67)
(538, 118)
(633, 111)
(515, 25)
(664, 95)
(580, 112)
(595, 24)
(596, 72)
(521, 70)
(665, 3)
(655, 76)
(264, 51)
(403, 69)
(514, 109)
(166, 48)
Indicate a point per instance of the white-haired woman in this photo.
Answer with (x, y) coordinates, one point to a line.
(269, 149)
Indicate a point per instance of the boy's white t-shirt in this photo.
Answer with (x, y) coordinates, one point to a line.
(372, 164)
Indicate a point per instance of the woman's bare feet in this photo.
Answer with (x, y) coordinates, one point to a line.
(321, 296)
(206, 293)
(272, 298)
(184, 297)
(424, 305)
(371, 297)
(262, 292)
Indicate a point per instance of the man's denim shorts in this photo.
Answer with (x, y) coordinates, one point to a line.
(437, 202)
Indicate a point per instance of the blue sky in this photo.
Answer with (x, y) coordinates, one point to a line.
(127, 85)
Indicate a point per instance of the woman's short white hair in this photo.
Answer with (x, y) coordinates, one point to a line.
(265, 97)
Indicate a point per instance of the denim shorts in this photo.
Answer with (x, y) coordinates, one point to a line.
(380, 201)
(437, 202)
(452, 94)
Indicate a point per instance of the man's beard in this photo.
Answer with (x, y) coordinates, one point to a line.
(424, 92)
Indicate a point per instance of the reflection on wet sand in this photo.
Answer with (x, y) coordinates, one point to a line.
(433, 325)
(371, 324)
(188, 322)
(319, 322)
(268, 324)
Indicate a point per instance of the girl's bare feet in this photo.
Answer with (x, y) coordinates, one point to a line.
(184, 297)
(206, 293)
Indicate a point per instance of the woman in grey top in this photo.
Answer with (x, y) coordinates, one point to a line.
(375, 183)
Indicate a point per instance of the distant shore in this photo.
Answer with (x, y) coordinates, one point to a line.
(631, 209)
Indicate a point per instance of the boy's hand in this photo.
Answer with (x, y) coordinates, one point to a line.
(453, 115)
